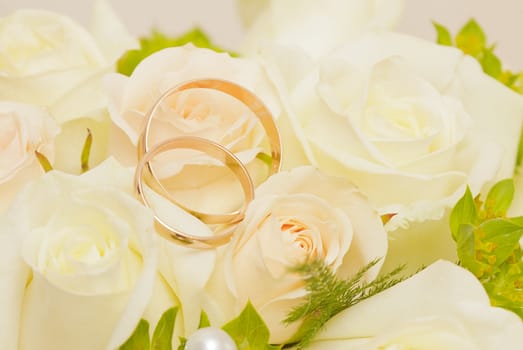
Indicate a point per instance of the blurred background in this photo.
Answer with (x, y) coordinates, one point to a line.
(501, 19)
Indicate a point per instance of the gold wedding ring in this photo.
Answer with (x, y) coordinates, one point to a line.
(214, 150)
(243, 95)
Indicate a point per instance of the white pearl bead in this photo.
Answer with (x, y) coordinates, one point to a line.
(210, 338)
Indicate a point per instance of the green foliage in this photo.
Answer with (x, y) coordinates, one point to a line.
(204, 320)
(163, 333)
(499, 199)
(464, 213)
(162, 336)
(44, 161)
(488, 244)
(444, 37)
(519, 156)
(491, 64)
(328, 295)
(158, 41)
(249, 331)
(86, 151)
(139, 340)
(471, 39)
(183, 342)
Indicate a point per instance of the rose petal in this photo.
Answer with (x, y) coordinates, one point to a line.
(15, 275)
(485, 98)
(109, 32)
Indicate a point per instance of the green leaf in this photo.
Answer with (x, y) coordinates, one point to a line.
(183, 341)
(489, 246)
(464, 212)
(499, 198)
(44, 162)
(519, 156)
(491, 64)
(467, 251)
(158, 41)
(444, 37)
(204, 320)
(518, 220)
(248, 330)
(86, 151)
(163, 333)
(471, 39)
(506, 289)
(499, 238)
(483, 249)
(139, 340)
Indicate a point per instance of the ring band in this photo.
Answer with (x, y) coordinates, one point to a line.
(243, 95)
(214, 150)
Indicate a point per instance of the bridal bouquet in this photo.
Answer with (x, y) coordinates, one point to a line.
(330, 184)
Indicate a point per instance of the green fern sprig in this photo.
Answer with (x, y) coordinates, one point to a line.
(328, 295)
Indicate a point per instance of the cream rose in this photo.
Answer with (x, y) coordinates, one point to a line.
(75, 274)
(44, 55)
(198, 112)
(411, 123)
(24, 129)
(297, 215)
(441, 307)
(46, 59)
(317, 26)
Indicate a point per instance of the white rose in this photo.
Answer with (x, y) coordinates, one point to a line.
(24, 129)
(317, 26)
(46, 59)
(76, 274)
(198, 112)
(297, 215)
(43, 55)
(411, 123)
(441, 307)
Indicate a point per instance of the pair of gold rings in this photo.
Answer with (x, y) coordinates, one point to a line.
(146, 153)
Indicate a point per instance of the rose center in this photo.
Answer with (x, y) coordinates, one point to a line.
(399, 119)
(77, 248)
(300, 233)
(195, 111)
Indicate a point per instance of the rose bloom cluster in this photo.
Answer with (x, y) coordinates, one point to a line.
(373, 123)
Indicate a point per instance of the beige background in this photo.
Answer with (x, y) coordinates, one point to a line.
(502, 19)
